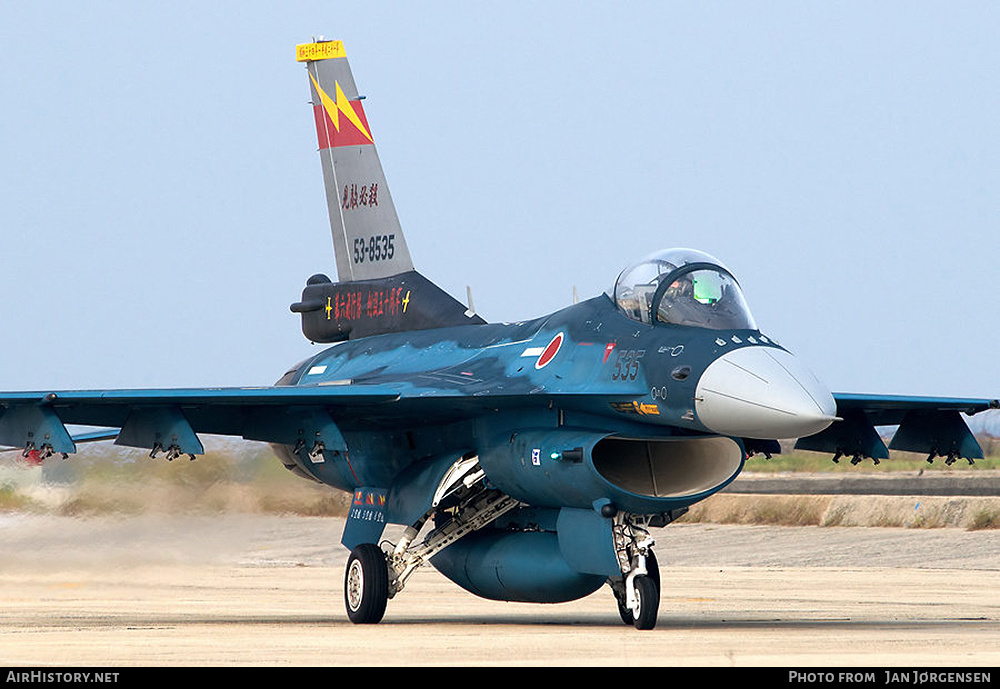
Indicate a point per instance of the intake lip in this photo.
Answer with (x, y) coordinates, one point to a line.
(762, 392)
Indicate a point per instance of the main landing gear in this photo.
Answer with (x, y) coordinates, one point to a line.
(374, 576)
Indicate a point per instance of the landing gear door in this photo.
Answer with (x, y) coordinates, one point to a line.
(366, 518)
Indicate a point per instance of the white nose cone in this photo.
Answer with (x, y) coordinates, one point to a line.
(762, 392)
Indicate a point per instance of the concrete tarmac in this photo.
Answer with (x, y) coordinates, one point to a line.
(245, 590)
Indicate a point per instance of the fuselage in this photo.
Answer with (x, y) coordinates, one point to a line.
(736, 382)
(584, 404)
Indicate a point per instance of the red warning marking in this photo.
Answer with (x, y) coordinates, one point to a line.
(550, 351)
(607, 351)
(346, 135)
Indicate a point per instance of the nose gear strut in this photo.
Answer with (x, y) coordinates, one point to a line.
(637, 590)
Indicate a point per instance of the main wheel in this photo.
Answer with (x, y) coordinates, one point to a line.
(647, 595)
(366, 584)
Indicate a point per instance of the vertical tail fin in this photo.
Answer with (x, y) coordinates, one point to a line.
(379, 291)
(367, 239)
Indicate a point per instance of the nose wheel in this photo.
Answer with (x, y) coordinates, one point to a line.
(366, 584)
(642, 607)
(646, 594)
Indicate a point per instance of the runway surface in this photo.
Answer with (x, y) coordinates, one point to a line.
(258, 590)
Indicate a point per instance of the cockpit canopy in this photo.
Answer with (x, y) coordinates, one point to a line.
(682, 287)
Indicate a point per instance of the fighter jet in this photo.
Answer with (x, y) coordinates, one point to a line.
(524, 461)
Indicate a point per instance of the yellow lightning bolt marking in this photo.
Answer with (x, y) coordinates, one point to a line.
(341, 105)
(406, 300)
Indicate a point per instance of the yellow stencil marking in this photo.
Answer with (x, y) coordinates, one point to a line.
(319, 51)
(645, 409)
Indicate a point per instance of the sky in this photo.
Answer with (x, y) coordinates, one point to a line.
(161, 199)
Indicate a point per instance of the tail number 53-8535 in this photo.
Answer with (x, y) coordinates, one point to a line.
(375, 248)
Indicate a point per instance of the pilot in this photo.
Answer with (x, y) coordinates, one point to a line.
(682, 287)
(678, 304)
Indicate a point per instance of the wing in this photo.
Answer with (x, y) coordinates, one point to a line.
(930, 425)
(170, 419)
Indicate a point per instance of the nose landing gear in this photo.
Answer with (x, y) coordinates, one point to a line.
(644, 607)
(637, 591)
(646, 597)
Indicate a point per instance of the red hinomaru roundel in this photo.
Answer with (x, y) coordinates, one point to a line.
(550, 351)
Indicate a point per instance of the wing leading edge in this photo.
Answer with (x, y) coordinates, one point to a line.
(928, 425)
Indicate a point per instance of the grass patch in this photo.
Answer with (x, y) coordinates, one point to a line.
(760, 510)
(985, 518)
(847, 510)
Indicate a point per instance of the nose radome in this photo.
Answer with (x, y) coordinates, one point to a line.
(762, 392)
